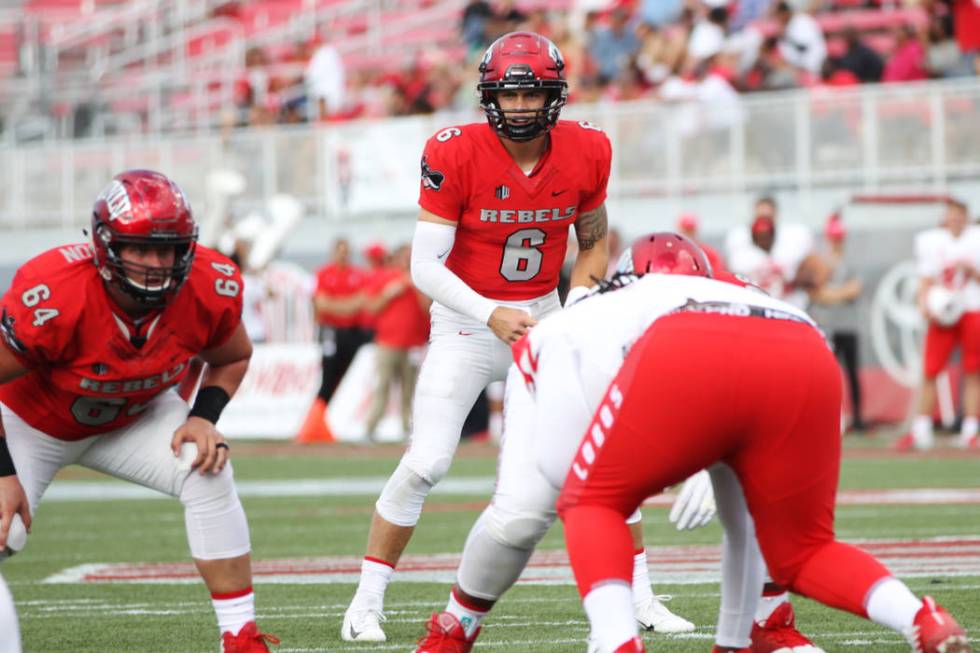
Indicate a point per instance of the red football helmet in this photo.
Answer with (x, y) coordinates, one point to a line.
(664, 252)
(522, 60)
(142, 207)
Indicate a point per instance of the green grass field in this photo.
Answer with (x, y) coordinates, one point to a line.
(106, 616)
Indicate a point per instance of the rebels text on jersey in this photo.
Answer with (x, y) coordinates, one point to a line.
(87, 375)
(511, 227)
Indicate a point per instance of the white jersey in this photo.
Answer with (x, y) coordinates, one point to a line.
(775, 270)
(601, 328)
(937, 254)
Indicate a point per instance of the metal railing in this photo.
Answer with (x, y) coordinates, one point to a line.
(866, 138)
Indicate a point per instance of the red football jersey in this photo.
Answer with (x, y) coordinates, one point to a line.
(512, 228)
(87, 377)
(340, 282)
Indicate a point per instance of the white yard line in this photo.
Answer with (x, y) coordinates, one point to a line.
(370, 486)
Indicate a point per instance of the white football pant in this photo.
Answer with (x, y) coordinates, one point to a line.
(9, 629)
(542, 433)
(463, 357)
(140, 453)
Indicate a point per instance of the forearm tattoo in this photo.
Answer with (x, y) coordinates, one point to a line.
(591, 227)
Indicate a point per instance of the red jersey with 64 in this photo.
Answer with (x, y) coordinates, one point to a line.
(87, 375)
(512, 227)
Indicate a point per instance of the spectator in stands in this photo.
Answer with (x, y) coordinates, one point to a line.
(473, 26)
(507, 17)
(908, 60)
(833, 306)
(801, 40)
(688, 225)
(326, 78)
(966, 26)
(943, 52)
(833, 75)
(708, 36)
(771, 71)
(401, 326)
(660, 13)
(661, 52)
(613, 46)
(338, 302)
(863, 61)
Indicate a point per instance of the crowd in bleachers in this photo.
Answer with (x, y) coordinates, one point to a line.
(629, 49)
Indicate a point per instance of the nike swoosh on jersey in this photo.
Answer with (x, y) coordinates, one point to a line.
(465, 333)
(444, 254)
(556, 193)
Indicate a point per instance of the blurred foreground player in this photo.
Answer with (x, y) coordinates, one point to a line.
(94, 335)
(767, 420)
(523, 505)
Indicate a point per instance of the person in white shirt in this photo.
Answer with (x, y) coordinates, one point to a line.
(770, 252)
(801, 41)
(948, 260)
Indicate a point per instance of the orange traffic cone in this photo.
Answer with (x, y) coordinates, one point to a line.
(315, 427)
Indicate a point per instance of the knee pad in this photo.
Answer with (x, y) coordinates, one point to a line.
(430, 466)
(215, 520)
(403, 495)
(518, 530)
(496, 552)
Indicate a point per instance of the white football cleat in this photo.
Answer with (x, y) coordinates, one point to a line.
(654, 615)
(362, 626)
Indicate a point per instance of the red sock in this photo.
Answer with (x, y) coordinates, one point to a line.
(600, 546)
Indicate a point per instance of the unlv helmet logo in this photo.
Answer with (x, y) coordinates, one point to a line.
(431, 179)
(117, 200)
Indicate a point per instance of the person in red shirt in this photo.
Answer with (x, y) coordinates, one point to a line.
(338, 303)
(401, 324)
(93, 336)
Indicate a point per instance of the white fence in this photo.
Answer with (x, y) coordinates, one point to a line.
(919, 135)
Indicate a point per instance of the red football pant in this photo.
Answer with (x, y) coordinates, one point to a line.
(762, 395)
(941, 340)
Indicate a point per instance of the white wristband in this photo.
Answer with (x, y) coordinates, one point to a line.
(576, 293)
(430, 248)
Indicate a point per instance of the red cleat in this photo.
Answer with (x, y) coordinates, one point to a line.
(935, 631)
(779, 634)
(248, 640)
(904, 443)
(446, 635)
(635, 645)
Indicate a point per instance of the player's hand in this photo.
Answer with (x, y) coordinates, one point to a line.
(212, 450)
(510, 324)
(13, 501)
(695, 504)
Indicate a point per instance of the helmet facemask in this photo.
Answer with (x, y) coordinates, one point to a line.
(541, 120)
(151, 286)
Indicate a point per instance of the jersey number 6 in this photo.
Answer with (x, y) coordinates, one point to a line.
(522, 255)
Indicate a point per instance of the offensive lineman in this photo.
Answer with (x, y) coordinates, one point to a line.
(496, 201)
(523, 504)
(671, 410)
(93, 337)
